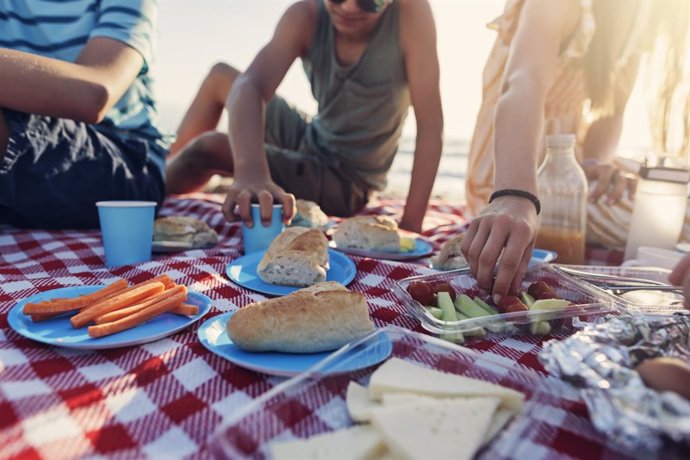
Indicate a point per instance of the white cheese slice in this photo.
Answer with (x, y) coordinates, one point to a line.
(356, 443)
(359, 404)
(500, 419)
(435, 429)
(398, 376)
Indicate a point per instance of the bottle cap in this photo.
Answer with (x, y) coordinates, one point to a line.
(560, 140)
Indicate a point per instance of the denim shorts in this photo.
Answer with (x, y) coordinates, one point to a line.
(55, 170)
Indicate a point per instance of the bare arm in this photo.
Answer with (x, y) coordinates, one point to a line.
(506, 228)
(419, 45)
(84, 91)
(600, 144)
(246, 104)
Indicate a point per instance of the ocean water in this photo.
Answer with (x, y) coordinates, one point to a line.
(193, 35)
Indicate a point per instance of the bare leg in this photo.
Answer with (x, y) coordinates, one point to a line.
(200, 159)
(4, 135)
(207, 107)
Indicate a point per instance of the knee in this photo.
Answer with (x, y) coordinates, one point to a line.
(212, 142)
(221, 78)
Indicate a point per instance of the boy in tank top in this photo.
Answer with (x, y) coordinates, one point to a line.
(367, 62)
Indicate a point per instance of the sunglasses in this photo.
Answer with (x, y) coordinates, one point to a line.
(370, 6)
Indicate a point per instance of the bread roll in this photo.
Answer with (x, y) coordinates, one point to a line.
(298, 257)
(450, 257)
(184, 230)
(320, 318)
(309, 214)
(368, 233)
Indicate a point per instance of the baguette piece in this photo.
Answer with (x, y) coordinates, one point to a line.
(450, 257)
(297, 257)
(368, 233)
(309, 214)
(310, 320)
(184, 229)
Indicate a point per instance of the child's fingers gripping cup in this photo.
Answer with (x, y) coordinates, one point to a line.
(258, 237)
(127, 230)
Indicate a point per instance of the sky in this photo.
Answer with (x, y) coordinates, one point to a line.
(195, 34)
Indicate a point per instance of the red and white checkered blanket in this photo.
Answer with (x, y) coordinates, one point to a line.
(167, 398)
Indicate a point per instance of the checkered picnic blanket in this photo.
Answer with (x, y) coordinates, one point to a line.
(167, 398)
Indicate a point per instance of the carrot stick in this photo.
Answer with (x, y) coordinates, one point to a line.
(63, 305)
(129, 297)
(139, 317)
(122, 312)
(185, 309)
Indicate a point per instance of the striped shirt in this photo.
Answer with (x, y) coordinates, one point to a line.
(60, 29)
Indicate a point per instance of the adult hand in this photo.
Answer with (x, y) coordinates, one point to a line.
(611, 182)
(680, 276)
(506, 228)
(262, 190)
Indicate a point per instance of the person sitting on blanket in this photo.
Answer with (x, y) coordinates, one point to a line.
(77, 115)
(366, 61)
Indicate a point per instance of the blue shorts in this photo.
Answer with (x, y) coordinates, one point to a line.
(55, 170)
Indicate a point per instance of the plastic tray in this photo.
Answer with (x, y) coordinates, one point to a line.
(312, 403)
(586, 300)
(644, 302)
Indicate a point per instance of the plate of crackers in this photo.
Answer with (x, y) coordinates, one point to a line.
(112, 316)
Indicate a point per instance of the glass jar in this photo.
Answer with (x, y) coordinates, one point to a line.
(562, 189)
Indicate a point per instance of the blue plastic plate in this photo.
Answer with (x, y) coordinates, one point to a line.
(542, 255)
(59, 331)
(243, 272)
(422, 248)
(213, 335)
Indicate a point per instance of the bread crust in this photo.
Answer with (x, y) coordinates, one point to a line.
(309, 214)
(302, 322)
(450, 257)
(185, 230)
(297, 257)
(368, 233)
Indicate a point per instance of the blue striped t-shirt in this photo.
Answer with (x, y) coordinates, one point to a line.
(59, 29)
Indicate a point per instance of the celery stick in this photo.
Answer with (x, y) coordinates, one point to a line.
(445, 303)
(540, 327)
(489, 309)
(475, 331)
(435, 312)
(468, 307)
(527, 299)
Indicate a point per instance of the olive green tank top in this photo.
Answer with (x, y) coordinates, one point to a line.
(362, 107)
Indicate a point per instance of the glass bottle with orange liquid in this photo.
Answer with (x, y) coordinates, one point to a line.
(563, 194)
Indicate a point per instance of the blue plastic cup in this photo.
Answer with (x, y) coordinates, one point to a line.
(127, 230)
(258, 237)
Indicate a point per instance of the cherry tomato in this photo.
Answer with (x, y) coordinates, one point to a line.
(541, 290)
(510, 303)
(422, 292)
(444, 286)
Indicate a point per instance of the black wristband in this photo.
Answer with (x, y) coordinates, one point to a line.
(519, 193)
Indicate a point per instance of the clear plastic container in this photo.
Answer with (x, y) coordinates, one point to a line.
(586, 300)
(643, 301)
(314, 402)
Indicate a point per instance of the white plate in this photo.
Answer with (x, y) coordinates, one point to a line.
(213, 335)
(59, 331)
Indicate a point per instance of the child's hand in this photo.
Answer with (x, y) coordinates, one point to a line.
(244, 192)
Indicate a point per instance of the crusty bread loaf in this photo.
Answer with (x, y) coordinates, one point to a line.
(184, 230)
(320, 318)
(309, 214)
(450, 257)
(368, 233)
(297, 257)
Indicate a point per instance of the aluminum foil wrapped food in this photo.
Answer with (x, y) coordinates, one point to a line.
(601, 359)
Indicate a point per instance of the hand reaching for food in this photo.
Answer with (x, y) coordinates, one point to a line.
(244, 191)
